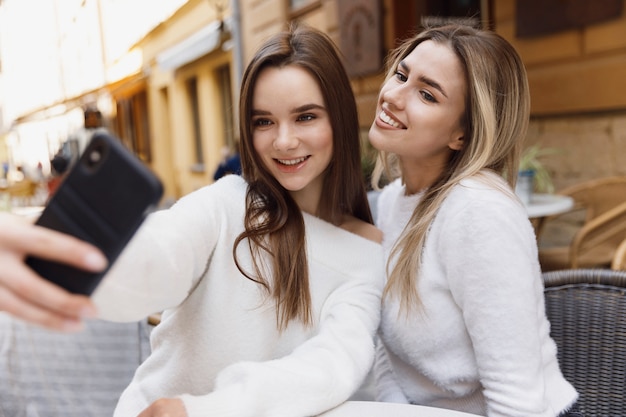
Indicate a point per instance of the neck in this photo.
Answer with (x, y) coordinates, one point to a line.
(308, 199)
(417, 180)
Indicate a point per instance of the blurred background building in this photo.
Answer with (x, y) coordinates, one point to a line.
(165, 74)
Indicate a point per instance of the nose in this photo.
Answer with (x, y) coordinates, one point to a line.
(286, 138)
(394, 95)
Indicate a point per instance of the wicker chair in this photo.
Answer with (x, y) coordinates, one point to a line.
(619, 259)
(587, 313)
(594, 244)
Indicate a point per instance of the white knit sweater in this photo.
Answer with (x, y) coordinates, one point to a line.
(218, 347)
(480, 343)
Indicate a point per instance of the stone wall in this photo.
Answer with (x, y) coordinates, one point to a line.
(589, 145)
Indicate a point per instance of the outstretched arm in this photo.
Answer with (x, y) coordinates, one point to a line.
(318, 375)
(29, 297)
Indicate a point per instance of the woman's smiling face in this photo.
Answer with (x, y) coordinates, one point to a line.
(421, 107)
(292, 131)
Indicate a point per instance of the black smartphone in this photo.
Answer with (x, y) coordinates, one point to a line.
(103, 200)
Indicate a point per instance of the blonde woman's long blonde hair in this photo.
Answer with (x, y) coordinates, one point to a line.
(497, 108)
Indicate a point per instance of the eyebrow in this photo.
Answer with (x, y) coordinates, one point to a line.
(426, 80)
(300, 109)
(307, 107)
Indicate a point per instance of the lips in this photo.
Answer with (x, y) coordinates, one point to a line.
(291, 162)
(291, 165)
(390, 120)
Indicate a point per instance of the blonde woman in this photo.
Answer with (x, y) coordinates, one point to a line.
(463, 324)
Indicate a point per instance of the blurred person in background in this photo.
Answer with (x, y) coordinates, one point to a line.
(93, 123)
(73, 148)
(231, 164)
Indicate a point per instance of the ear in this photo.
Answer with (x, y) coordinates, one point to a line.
(456, 142)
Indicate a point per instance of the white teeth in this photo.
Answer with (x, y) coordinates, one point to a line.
(291, 161)
(385, 118)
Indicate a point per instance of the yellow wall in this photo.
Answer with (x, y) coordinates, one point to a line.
(576, 78)
(577, 81)
(4, 155)
(170, 119)
(578, 92)
(572, 71)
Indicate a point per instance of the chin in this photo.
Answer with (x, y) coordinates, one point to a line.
(292, 186)
(376, 138)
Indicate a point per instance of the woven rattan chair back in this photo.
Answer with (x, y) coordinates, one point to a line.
(587, 313)
(598, 196)
(604, 203)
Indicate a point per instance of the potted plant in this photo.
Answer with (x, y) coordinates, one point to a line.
(532, 174)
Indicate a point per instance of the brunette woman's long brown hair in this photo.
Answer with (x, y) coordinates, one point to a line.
(274, 223)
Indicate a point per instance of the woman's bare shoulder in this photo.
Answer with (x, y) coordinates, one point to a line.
(362, 228)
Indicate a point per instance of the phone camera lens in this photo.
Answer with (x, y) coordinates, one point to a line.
(94, 156)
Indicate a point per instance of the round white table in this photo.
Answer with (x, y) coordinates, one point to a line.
(379, 409)
(542, 205)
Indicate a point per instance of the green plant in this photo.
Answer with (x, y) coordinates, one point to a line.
(531, 161)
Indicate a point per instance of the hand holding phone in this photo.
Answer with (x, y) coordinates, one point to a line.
(103, 200)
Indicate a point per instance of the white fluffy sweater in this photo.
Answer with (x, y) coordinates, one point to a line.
(480, 343)
(218, 347)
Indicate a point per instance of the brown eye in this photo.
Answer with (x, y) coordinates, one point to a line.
(400, 76)
(428, 97)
